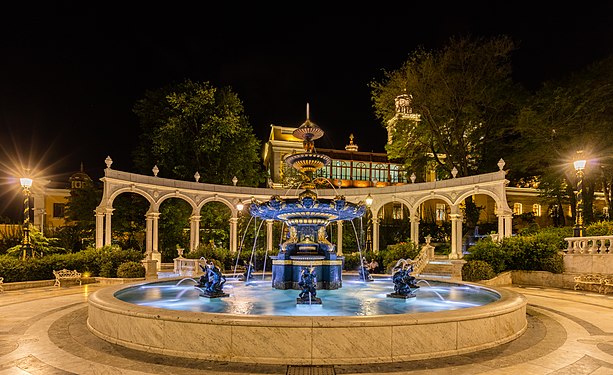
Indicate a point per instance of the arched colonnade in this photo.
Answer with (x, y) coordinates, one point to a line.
(156, 190)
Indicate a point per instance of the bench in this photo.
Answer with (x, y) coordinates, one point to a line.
(66, 275)
(600, 282)
(608, 284)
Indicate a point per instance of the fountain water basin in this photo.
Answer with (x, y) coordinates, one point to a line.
(259, 324)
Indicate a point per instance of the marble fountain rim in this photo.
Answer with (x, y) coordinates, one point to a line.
(105, 299)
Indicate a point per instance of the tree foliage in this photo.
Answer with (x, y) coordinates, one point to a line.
(570, 115)
(466, 99)
(193, 127)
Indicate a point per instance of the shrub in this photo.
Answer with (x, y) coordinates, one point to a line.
(490, 252)
(600, 228)
(402, 250)
(352, 262)
(477, 270)
(553, 264)
(532, 253)
(130, 270)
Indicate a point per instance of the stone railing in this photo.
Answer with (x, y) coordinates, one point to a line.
(421, 261)
(589, 245)
(188, 267)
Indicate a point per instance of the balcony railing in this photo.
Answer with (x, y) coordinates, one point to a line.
(589, 245)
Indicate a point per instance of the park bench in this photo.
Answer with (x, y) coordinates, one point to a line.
(608, 284)
(66, 275)
(593, 280)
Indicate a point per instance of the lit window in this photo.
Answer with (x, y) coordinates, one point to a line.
(440, 212)
(517, 209)
(605, 211)
(58, 209)
(570, 210)
(536, 209)
(397, 212)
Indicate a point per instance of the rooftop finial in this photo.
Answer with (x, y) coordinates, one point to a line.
(307, 111)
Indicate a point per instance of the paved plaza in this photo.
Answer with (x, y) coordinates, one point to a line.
(43, 331)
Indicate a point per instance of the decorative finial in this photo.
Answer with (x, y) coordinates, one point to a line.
(351, 146)
(413, 177)
(501, 164)
(454, 172)
(81, 167)
(155, 170)
(197, 176)
(234, 180)
(108, 162)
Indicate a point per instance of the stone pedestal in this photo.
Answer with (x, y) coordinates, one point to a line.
(151, 268)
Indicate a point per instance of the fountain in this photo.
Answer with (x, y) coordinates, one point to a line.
(307, 218)
(257, 323)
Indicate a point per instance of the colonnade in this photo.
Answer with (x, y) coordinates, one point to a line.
(155, 190)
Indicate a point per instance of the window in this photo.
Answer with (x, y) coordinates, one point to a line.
(361, 171)
(58, 209)
(517, 209)
(440, 212)
(397, 212)
(605, 211)
(536, 209)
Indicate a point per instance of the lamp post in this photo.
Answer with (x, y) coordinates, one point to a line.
(26, 184)
(579, 231)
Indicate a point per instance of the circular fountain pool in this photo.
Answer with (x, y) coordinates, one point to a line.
(354, 324)
(356, 298)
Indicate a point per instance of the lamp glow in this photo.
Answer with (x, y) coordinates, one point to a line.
(579, 164)
(579, 230)
(26, 246)
(26, 183)
(240, 206)
(369, 200)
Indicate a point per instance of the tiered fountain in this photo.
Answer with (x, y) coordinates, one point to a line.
(307, 217)
(357, 324)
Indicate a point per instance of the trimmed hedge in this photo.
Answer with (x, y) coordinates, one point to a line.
(477, 270)
(97, 262)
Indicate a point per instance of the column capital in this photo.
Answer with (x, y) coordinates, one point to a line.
(455, 216)
(234, 220)
(152, 215)
(376, 220)
(194, 218)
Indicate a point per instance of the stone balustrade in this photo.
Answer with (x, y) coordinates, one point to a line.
(188, 267)
(589, 245)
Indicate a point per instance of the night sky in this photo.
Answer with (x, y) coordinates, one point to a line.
(70, 72)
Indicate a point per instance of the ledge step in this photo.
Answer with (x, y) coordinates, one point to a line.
(310, 370)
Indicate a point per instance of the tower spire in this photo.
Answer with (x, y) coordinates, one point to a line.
(307, 111)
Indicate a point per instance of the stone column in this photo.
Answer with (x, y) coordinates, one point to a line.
(508, 225)
(99, 227)
(456, 234)
(155, 253)
(339, 238)
(375, 234)
(149, 234)
(505, 225)
(194, 232)
(107, 230)
(415, 228)
(233, 234)
(269, 224)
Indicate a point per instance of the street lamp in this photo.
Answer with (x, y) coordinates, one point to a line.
(26, 184)
(369, 200)
(579, 231)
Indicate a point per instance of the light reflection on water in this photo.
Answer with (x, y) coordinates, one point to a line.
(355, 298)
